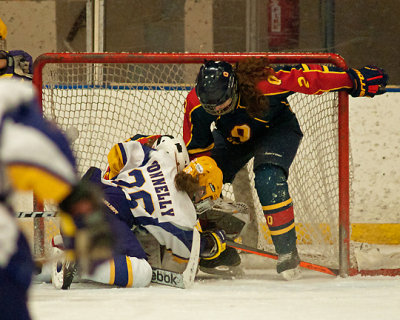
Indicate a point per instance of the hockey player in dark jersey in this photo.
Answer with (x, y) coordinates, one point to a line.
(253, 118)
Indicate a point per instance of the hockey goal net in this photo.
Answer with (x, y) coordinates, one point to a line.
(101, 99)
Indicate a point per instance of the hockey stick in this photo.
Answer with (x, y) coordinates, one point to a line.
(181, 280)
(307, 265)
(168, 278)
(35, 214)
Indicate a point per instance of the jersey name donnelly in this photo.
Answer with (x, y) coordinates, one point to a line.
(161, 188)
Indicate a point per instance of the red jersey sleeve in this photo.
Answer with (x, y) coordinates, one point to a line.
(308, 79)
(196, 127)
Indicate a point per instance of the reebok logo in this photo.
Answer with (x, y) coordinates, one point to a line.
(164, 277)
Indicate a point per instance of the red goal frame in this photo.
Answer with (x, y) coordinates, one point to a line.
(198, 58)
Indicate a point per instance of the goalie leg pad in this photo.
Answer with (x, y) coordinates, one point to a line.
(227, 215)
(172, 262)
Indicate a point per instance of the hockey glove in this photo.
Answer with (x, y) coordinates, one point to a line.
(18, 62)
(212, 244)
(368, 81)
(92, 238)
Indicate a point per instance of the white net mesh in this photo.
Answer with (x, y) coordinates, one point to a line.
(99, 105)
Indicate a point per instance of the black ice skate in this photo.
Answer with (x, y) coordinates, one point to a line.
(288, 265)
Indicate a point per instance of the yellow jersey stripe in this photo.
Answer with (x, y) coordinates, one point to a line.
(112, 271)
(277, 206)
(282, 231)
(130, 275)
(198, 150)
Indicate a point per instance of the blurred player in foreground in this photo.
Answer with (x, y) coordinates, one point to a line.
(35, 156)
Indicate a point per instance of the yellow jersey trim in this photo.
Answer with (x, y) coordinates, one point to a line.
(278, 205)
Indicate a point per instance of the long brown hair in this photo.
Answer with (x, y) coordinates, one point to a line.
(186, 183)
(250, 71)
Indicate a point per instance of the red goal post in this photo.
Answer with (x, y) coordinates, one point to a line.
(62, 87)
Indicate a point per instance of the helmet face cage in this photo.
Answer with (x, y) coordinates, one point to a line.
(216, 83)
(211, 108)
(175, 147)
(209, 175)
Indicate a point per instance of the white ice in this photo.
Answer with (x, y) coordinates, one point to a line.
(261, 294)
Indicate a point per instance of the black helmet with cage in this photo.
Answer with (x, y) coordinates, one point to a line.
(216, 83)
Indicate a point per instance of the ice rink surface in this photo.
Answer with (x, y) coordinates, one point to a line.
(261, 294)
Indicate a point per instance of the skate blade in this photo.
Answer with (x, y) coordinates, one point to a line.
(291, 274)
(224, 271)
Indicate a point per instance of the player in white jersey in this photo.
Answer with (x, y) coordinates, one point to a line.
(147, 191)
(148, 182)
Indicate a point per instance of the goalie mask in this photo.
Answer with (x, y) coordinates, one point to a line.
(216, 84)
(175, 147)
(205, 169)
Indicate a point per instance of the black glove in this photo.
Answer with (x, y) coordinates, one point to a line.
(18, 62)
(212, 244)
(94, 240)
(368, 81)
